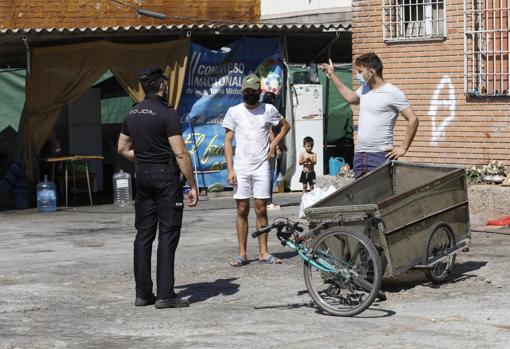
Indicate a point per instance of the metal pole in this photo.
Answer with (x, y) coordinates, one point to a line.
(474, 45)
(465, 49)
(501, 44)
(481, 65)
(197, 156)
(486, 46)
(149, 13)
(326, 117)
(327, 47)
(285, 57)
(27, 47)
(88, 181)
(494, 45)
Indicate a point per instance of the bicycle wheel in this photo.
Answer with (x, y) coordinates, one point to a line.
(441, 238)
(357, 275)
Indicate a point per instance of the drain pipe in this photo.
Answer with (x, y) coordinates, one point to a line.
(27, 47)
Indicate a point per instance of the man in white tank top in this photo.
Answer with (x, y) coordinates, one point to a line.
(380, 103)
(250, 122)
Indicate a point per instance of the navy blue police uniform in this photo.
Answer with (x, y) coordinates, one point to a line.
(159, 198)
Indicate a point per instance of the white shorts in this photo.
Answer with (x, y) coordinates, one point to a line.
(259, 180)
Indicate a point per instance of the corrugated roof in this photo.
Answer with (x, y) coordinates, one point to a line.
(13, 50)
(185, 27)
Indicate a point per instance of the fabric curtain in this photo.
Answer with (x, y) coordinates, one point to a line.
(60, 74)
(129, 59)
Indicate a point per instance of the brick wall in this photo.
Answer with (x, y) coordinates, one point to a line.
(104, 13)
(476, 131)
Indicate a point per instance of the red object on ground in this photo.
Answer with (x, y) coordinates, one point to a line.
(503, 221)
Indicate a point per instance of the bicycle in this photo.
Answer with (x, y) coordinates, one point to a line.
(342, 269)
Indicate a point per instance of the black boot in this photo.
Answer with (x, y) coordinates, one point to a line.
(141, 302)
(172, 302)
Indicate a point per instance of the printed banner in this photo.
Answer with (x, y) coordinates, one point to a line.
(212, 85)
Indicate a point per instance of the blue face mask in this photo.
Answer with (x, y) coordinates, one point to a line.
(360, 79)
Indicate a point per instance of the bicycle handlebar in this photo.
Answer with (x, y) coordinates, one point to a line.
(280, 225)
(264, 230)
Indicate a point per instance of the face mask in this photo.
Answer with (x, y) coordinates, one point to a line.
(360, 79)
(165, 93)
(251, 99)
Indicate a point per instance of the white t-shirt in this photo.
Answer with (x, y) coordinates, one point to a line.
(251, 128)
(377, 116)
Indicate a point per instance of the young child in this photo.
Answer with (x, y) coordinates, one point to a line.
(308, 159)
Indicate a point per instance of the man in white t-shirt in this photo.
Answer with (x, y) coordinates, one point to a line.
(250, 123)
(380, 103)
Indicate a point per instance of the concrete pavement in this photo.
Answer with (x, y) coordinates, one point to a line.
(66, 282)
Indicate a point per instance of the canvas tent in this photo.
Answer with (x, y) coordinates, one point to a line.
(60, 74)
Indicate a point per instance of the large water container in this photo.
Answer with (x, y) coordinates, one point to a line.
(46, 196)
(335, 165)
(122, 196)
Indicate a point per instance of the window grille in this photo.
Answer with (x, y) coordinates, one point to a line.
(410, 20)
(486, 47)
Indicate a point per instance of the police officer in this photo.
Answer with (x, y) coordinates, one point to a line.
(151, 136)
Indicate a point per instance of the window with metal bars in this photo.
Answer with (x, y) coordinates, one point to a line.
(486, 48)
(411, 20)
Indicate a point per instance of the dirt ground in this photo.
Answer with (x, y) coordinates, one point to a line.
(66, 282)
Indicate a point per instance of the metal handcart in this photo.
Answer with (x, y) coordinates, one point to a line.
(399, 217)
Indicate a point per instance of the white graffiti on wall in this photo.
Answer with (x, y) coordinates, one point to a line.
(438, 126)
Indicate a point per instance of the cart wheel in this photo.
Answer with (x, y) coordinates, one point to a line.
(355, 283)
(441, 238)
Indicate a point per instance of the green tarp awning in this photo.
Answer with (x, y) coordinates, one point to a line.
(12, 97)
(339, 118)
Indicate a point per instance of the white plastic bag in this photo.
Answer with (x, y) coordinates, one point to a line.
(310, 198)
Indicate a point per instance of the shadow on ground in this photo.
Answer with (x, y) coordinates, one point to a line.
(411, 279)
(285, 255)
(290, 204)
(202, 291)
(372, 312)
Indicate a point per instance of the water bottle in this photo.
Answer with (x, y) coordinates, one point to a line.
(280, 183)
(122, 189)
(46, 196)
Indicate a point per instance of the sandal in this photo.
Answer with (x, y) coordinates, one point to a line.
(238, 261)
(271, 260)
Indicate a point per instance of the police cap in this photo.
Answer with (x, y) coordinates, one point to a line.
(151, 74)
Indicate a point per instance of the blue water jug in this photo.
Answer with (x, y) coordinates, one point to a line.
(46, 196)
(335, 165)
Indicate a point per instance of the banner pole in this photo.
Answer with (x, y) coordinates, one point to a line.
(194, 158)
(197, 158)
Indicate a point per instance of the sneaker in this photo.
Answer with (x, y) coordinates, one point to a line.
(273, 207)
(142, 302)
(173, 302)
